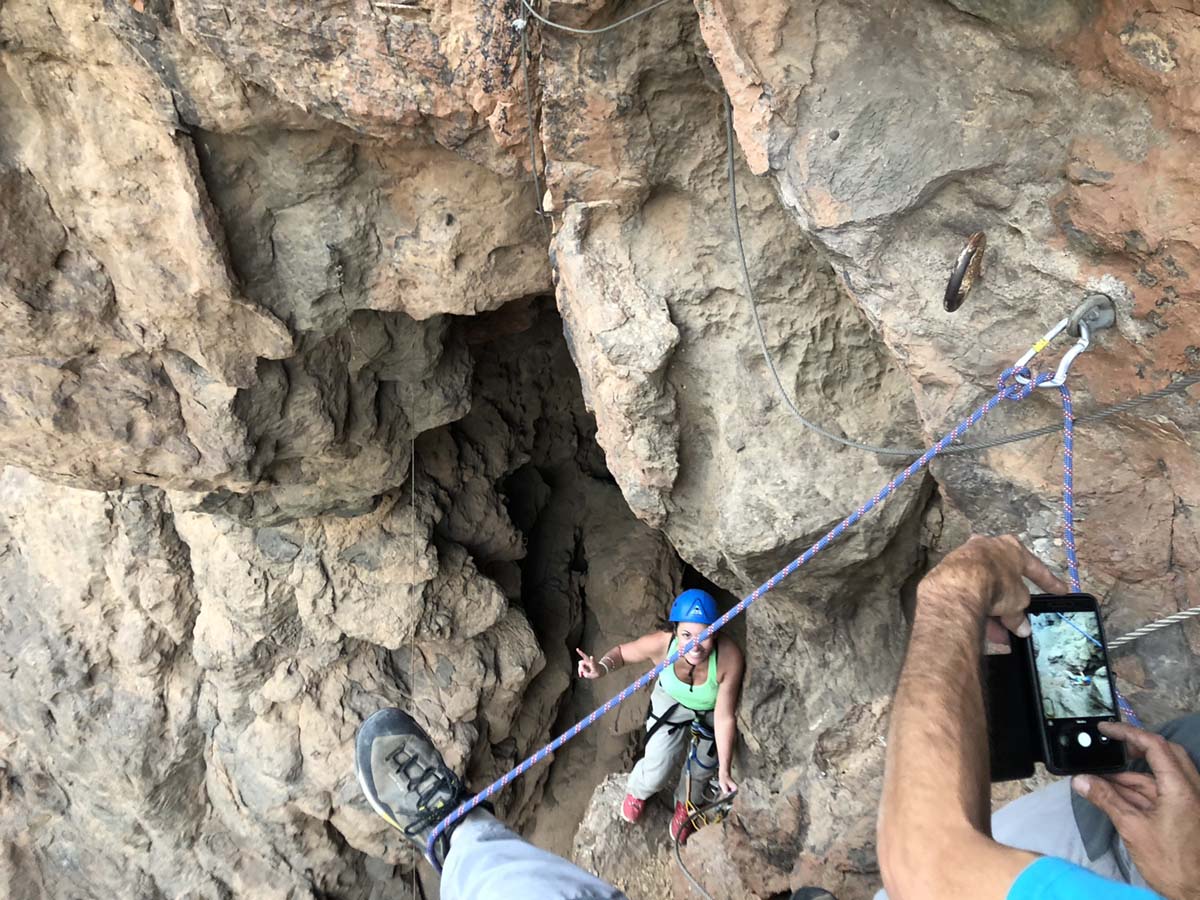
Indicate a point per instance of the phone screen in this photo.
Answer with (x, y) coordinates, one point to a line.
(1074, 686)
(1072, 666)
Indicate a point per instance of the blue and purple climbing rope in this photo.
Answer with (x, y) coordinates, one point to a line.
(1007, 390)
(1069, 533)
(1069, 488)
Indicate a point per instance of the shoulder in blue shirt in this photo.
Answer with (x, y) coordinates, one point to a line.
(1056, 879)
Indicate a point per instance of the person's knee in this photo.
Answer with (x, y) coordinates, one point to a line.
(653, 773)
(660, 771)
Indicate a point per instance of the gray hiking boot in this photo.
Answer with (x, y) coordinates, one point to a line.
(405, 779)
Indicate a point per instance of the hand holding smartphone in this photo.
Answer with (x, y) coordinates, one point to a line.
(1047, 699)
(1073, 681)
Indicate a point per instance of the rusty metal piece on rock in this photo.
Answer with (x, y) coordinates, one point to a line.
(967, 270)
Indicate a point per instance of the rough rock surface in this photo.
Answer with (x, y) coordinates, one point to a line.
(224, 293)
(292, 438)
(187, 684)
(635, 858)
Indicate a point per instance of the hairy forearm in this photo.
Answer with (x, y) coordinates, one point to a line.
(936, 794)
(939, 733)
(936, 786)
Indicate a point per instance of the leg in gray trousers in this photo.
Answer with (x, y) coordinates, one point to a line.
(1043, 822)
(487, 861)
(667, 754)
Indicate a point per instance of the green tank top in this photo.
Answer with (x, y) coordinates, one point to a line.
(699, 697)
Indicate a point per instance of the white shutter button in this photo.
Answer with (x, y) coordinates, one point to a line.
(1085, 739)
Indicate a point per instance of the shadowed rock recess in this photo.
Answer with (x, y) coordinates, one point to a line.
(304, 410)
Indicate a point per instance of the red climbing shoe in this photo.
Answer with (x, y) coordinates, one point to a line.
(681, 826)
(631, 809)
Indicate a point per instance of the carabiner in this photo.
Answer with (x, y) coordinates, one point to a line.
(1064, 365)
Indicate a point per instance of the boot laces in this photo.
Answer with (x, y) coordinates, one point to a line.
(436, 787)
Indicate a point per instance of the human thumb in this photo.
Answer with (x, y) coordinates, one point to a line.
(1103, 795)
(1017, 623)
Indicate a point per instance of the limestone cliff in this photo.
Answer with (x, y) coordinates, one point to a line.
(307, 409)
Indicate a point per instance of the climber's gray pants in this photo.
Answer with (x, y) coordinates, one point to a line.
(488, 862)
(667, 754)
(1043, 822)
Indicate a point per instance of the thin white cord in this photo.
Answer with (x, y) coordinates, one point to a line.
(1154, 626)
(537, 15)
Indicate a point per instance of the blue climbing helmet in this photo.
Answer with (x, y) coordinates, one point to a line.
(694, 605)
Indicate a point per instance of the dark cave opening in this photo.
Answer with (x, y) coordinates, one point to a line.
(589, 574)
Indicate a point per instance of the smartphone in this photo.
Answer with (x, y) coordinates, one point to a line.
(1012, 715)
(1074, 685)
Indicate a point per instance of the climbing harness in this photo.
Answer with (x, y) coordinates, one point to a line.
(664, 721)
(1007, 389)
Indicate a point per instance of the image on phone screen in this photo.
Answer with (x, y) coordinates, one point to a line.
(1072, 669)
(1069, 663)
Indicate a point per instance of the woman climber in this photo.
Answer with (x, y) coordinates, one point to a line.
(693, 705)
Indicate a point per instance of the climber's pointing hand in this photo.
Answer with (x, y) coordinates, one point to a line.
(587, 666)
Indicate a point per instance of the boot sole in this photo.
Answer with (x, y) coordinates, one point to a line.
(362, 759)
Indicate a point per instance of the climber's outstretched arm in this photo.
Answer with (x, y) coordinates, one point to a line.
(648, 648)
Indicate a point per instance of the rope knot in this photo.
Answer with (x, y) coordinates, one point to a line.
(1012, 389)
(1009, 387)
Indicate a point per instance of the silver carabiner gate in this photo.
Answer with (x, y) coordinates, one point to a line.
(1064, 365)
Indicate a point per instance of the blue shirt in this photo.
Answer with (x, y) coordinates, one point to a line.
(1056, 879)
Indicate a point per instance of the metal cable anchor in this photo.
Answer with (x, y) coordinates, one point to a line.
(1097, 311)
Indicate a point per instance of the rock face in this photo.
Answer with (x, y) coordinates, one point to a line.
(293, 430)
(635, 858)
(235, 661)
(249, 304)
